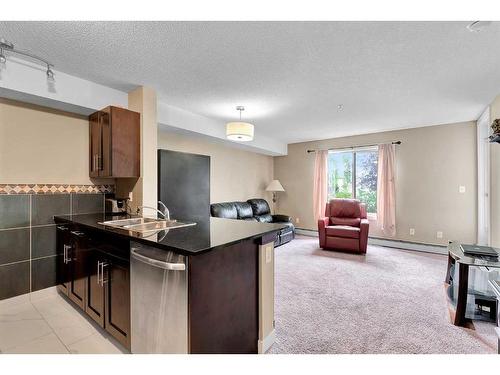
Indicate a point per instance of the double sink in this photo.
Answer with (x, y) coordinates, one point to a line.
(145, 224)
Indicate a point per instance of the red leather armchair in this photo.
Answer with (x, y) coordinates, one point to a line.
(344, 227)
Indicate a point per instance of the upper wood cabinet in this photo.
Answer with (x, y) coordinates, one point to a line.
(114, 143)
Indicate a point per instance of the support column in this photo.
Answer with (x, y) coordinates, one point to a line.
(144, 190)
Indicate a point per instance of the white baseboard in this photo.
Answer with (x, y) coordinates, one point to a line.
(265, 345)
(406, 245)
(395, 244)
(306, 232)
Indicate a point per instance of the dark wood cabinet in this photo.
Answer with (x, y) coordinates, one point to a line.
(63, 271)
(117, 295)
(94, 273)
(70, 266)
(108, 294)
(94, 144)
(114, 143)
(76, 258)
(95, 287)
(224, 300)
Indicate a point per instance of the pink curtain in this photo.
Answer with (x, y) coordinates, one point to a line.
(386, 194)
(320, 188)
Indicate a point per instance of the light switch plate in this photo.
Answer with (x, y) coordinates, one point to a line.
(412, 231)
(461, 189)
(439, 234)
(297, 220)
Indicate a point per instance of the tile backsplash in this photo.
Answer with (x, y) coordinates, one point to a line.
(53, 189)
(28, 233)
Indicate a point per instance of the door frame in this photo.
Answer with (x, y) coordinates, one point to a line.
(483, 179)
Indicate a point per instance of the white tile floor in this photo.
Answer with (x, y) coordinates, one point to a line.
(45, 322)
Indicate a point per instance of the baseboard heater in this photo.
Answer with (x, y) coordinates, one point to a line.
(395, 244)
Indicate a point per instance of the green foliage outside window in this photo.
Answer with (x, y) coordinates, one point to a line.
(343, 184)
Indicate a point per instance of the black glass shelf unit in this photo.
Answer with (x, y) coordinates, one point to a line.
(474, 298)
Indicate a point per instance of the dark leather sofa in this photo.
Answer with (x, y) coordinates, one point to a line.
(255, 210)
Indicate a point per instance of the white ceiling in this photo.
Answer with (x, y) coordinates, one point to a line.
(290, 76)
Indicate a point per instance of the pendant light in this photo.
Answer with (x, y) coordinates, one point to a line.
(239, 131)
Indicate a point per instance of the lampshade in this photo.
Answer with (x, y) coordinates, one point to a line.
(275, 185)
(239, 131)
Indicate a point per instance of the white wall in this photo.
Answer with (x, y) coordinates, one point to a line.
(431, 163)
(235, 175)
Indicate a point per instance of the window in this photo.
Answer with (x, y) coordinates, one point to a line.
(353, 174)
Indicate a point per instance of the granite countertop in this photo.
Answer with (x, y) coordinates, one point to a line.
(207, 234)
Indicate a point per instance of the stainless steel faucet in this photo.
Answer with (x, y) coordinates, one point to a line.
(165, 213)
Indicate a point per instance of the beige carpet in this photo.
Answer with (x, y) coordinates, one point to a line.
(389, 301)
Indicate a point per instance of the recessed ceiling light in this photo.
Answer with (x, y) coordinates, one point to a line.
(478, 26)
(340, 107)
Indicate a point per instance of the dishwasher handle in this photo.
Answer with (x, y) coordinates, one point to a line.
(156, 262)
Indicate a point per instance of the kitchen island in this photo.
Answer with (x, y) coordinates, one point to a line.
(207, 288)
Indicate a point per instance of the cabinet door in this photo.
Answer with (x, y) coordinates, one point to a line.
(126, 148)
(117, 294)
(94, 301)
(105, 154)
(77, 284)
(94, 144)
(62, 266)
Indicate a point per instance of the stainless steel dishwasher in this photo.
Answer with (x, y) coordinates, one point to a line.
(159, 300)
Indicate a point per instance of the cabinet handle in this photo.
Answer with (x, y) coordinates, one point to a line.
(77, 233)
(98, 278)
(62, 228)
(66, 257)
(156, 262)
(103, 264)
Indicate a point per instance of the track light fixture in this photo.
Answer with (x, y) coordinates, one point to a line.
(50, 74)
(8, 47)
(478, 26)
(3, 59)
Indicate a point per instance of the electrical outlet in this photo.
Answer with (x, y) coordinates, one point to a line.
(461, 189)
(297, 220)
(131, 197)
(412, 231)
(439, 234)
